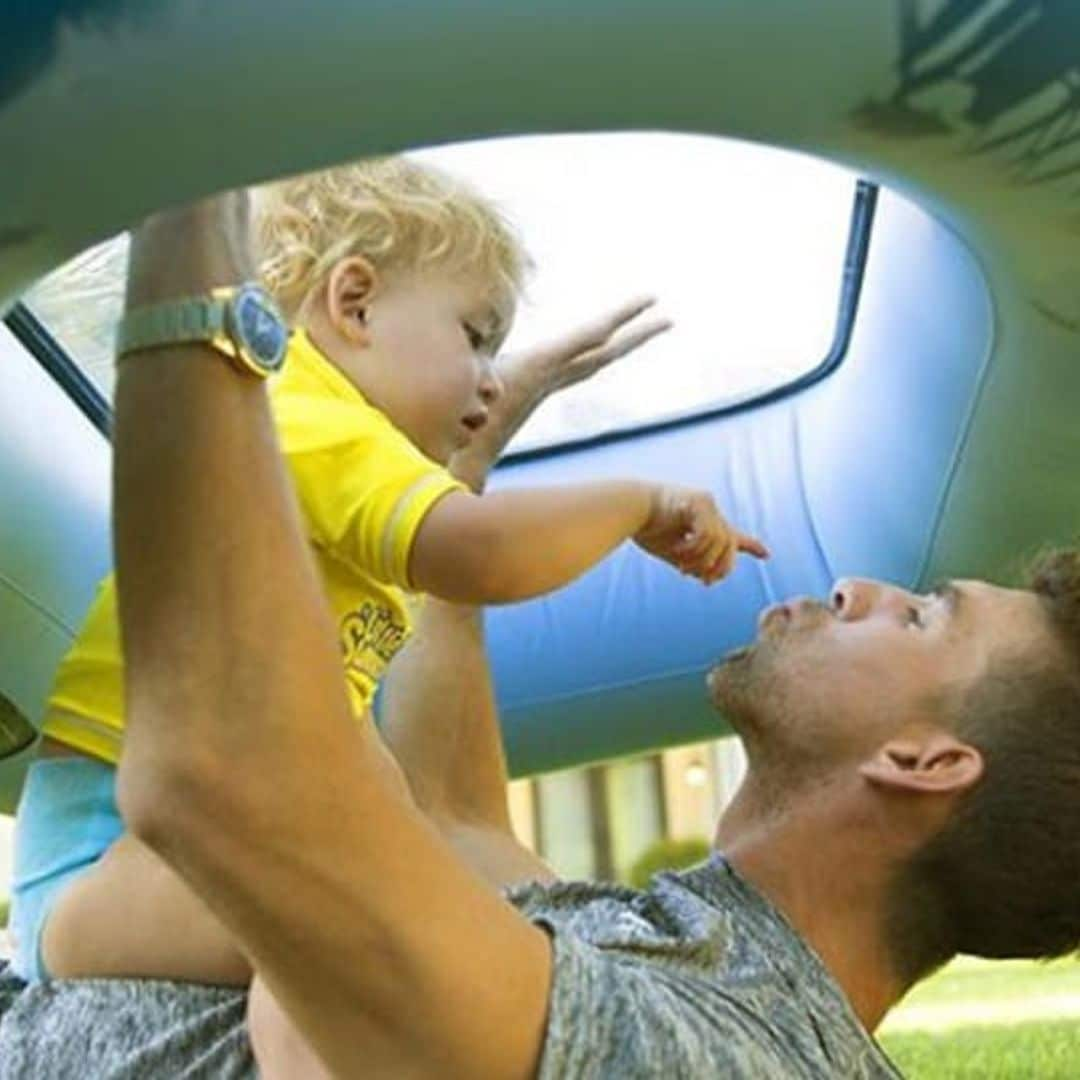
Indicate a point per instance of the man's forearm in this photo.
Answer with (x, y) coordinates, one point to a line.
(440, 718)
(208, 543)
(243, 766)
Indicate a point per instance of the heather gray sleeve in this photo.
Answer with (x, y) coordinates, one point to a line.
(116, 1029)
(611, 1015)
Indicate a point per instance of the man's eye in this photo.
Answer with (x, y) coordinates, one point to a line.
(914, 618)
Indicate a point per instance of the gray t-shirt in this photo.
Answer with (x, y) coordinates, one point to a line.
(697, 976)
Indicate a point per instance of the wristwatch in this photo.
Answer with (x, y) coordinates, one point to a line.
(242, 322)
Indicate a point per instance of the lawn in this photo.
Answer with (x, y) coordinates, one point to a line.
(1046, 1050)
(977, 1020)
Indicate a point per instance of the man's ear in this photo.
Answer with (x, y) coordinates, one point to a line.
(936, 762)
(349, 290)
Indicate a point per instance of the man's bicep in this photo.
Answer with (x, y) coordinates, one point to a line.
(477, 1005)
(414, 965)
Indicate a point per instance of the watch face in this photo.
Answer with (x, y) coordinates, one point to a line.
(260, 327)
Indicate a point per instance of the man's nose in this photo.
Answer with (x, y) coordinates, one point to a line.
(855, 598)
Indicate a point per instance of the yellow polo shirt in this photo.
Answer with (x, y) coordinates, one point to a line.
(364, 490)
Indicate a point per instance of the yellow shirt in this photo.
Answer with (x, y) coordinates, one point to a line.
(364, 490)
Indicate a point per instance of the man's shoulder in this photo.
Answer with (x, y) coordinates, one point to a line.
(696, 974)
(702, 918)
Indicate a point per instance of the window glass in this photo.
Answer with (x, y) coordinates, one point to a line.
(80, 304)
(742, 245)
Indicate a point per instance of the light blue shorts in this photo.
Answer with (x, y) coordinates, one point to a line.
(67, 819)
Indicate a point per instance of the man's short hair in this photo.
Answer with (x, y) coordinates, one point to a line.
(1002, 879)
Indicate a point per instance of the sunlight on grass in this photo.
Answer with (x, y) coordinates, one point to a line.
(990, 1020)
(970, 992)
(1038, 1051)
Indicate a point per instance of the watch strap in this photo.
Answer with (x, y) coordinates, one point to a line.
(174, 322)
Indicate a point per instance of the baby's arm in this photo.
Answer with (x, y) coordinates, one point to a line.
(511, 545)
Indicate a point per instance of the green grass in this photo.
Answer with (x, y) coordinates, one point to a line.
(971, 979)
(990, 1020)
(1048, 1050)
(970, 992)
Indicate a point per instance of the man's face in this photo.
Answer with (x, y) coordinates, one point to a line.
(826, 683)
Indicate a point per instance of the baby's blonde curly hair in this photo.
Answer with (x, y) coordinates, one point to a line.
(399, 214)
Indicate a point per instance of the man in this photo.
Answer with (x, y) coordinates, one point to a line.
(912, 791)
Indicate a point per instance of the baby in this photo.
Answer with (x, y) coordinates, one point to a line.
(401, 285)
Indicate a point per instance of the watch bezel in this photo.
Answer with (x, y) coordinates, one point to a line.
(259, 362)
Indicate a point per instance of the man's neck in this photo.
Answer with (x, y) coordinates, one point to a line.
(829, 883)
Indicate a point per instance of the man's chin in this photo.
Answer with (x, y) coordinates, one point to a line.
(728, 675)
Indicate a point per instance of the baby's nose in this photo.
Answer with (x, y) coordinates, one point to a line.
(491, 386)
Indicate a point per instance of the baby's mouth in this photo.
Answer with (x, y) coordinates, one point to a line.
(475, 421)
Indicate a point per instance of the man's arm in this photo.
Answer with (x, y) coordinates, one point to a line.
(442, 726)
(243, 767)
(439, 715)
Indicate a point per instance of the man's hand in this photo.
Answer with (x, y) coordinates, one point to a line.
(188, 250)
(687, 530)
(531, 376)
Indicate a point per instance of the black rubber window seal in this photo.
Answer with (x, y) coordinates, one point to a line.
(50, 354)
(851, 280)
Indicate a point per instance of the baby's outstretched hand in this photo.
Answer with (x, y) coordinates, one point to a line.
(686, 529)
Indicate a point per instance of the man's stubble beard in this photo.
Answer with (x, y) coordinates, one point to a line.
(761, 687)
(756, 688)
(739, 688)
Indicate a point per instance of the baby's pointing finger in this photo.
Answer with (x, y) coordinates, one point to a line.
(751, 545)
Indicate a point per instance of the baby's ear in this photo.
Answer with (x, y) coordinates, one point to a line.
(349, 290)
(930, 763)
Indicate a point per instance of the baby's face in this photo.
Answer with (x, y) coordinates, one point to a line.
(434, 337)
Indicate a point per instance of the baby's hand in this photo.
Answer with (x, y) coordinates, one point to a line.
(686, 530)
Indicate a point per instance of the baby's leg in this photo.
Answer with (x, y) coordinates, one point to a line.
(281, 1052)
(131, 915)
